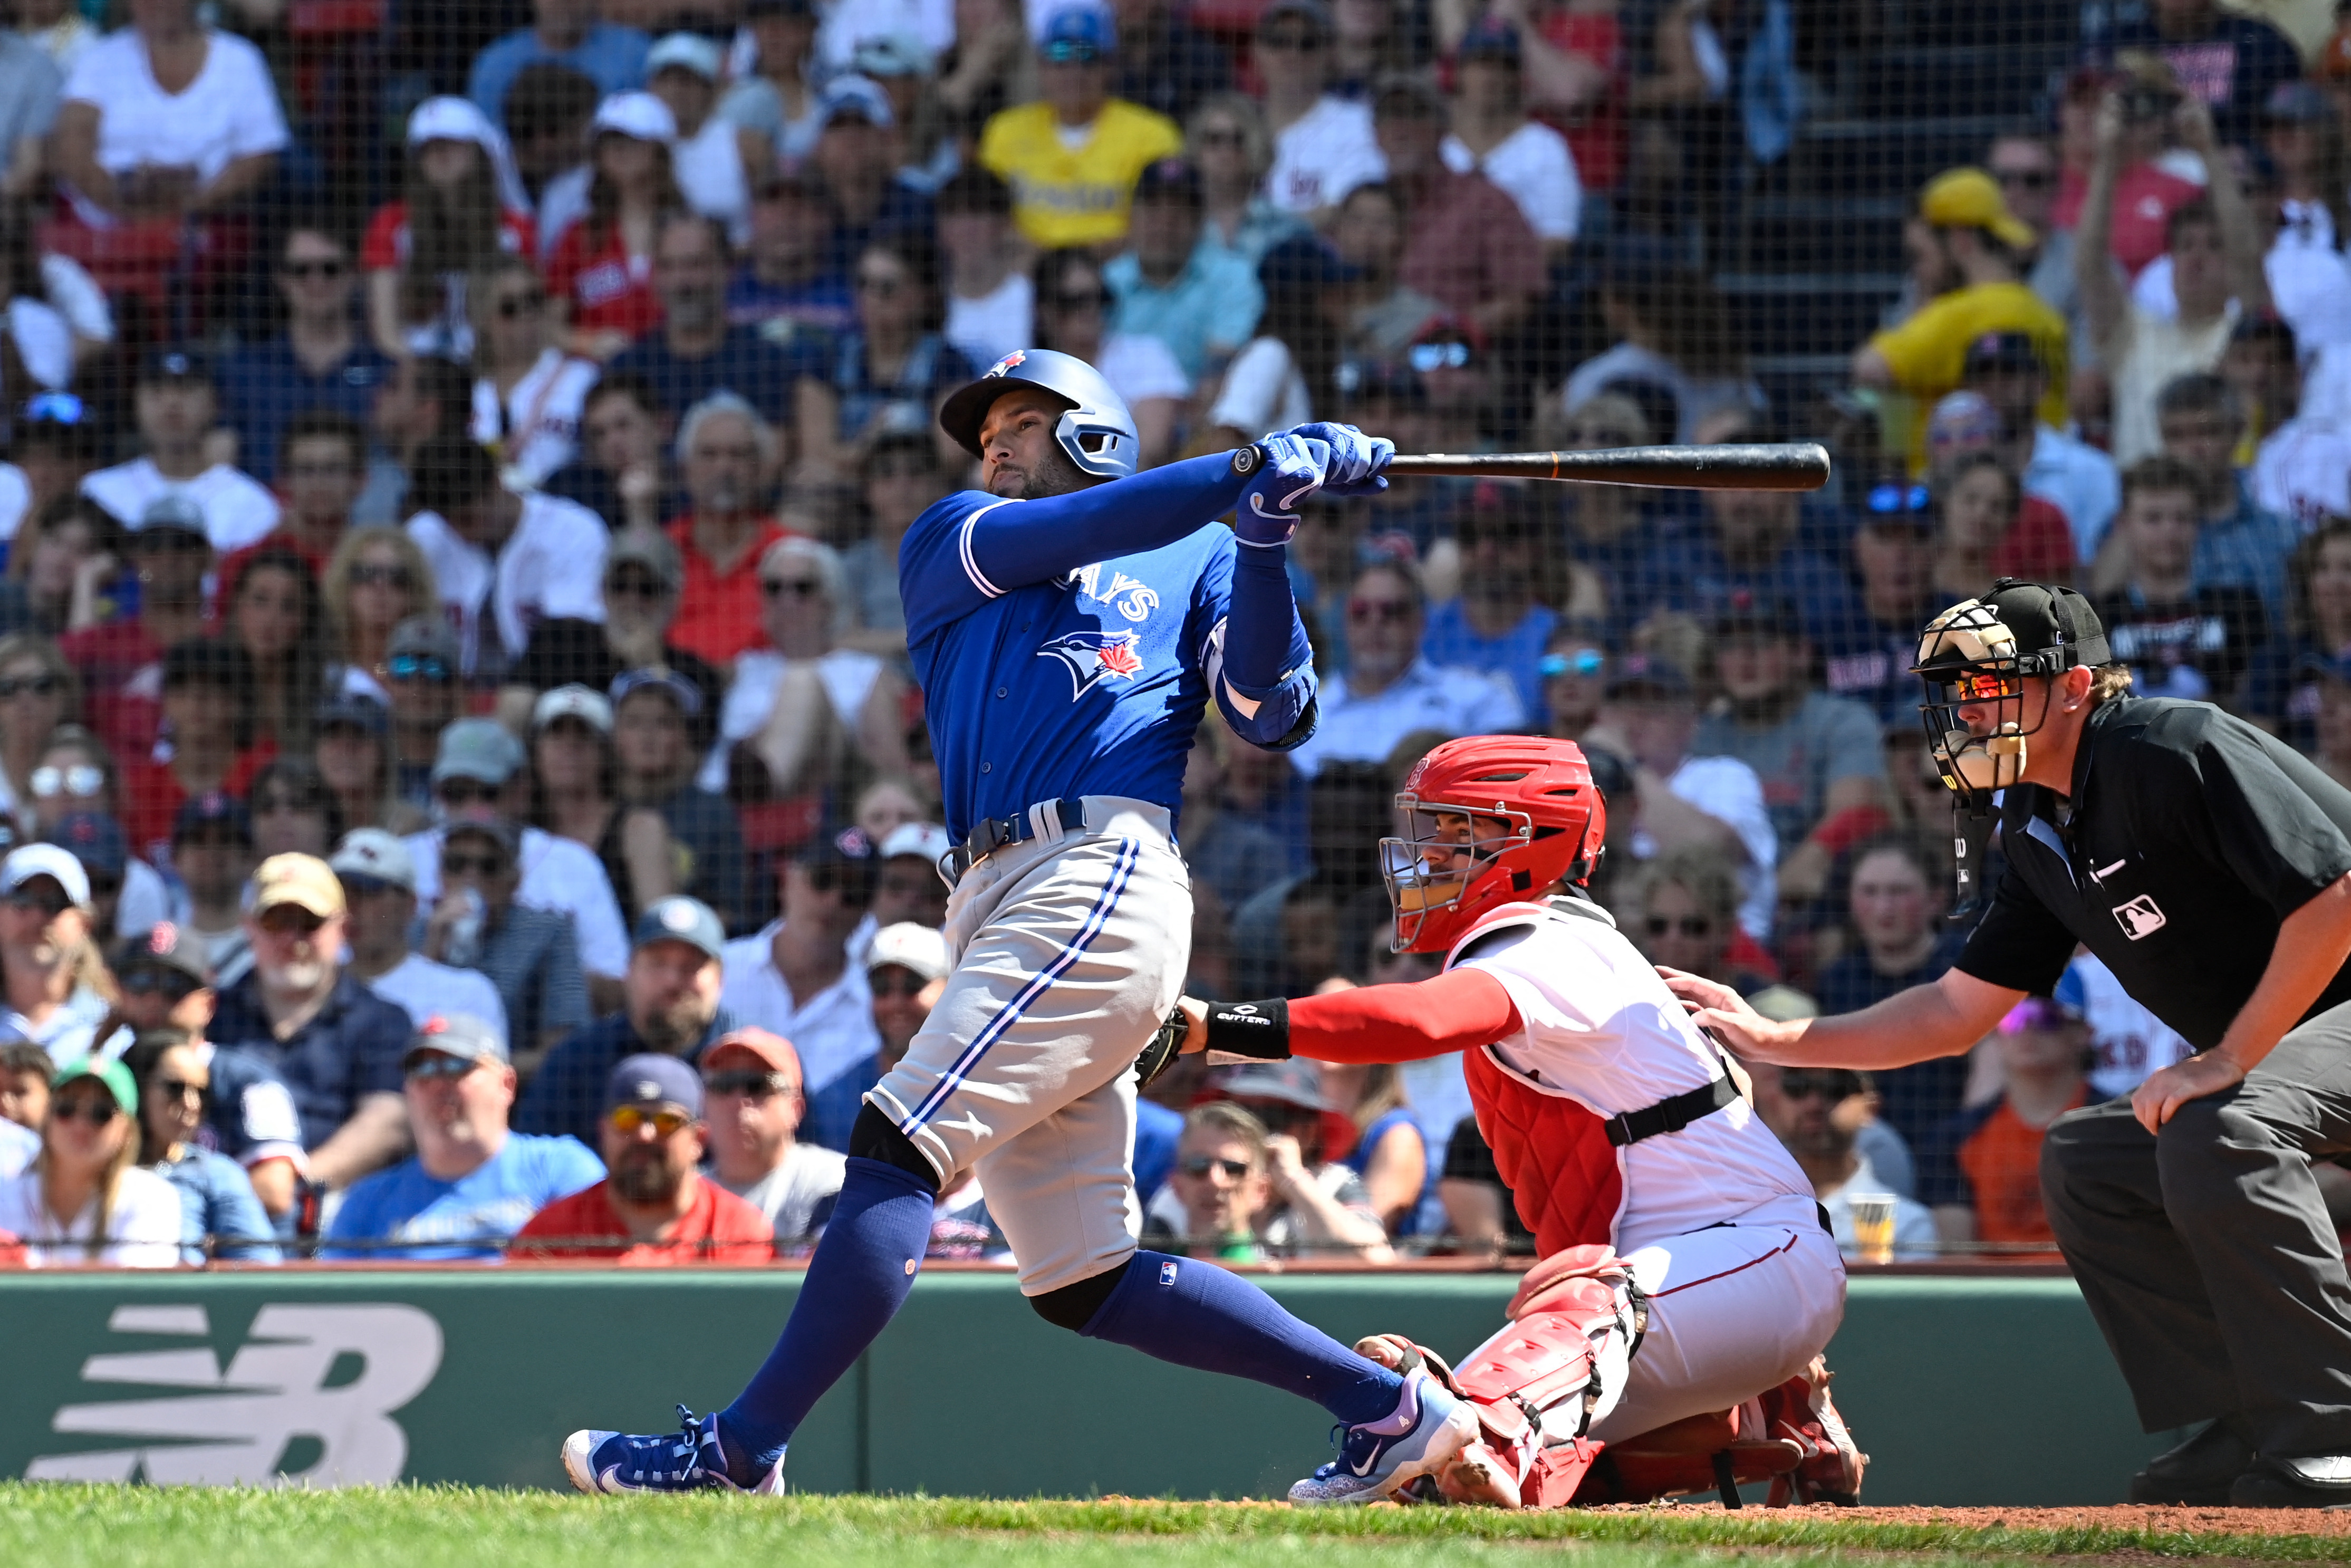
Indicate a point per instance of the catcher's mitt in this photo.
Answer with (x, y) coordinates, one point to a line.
(1160, 1051)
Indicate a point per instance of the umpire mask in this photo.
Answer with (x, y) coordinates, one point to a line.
(1983, 655)
(1980, 653)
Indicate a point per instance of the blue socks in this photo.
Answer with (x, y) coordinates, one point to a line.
(1196, 1314)
(856, 1283)
(1179, 1310)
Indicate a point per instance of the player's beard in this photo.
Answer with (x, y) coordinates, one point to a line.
(1056, 475)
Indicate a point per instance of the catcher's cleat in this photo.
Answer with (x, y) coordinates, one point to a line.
(1480, 1477)
(689, 1459)
(2199, 1472)
(1801, 1411)
(1381, 1459)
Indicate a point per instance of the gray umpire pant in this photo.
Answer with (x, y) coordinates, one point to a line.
(2206, 1254)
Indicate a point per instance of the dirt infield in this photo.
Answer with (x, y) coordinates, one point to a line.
(2286, 1522)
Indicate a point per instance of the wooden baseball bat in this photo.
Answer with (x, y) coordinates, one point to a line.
(1794, 466)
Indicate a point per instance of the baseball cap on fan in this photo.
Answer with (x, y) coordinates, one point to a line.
(678, 918)
(916, 949)
(303, 881)
(458, 1035)
(1645, 674)
(175, 362)
(925, 841)
(589, 706)
(480, 749)
(688, 52)
(637, 115)
(449, 119)
(28, 861)
(375, 855)
(655, 552)
(651, 1081)
(98, 842)
(770, 1049)
(1079, 32)
(1971, 199)
(165, 947)
(855, 97)
(170, 513)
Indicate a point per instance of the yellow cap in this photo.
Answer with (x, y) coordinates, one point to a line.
(304, 880)
(1971, 199)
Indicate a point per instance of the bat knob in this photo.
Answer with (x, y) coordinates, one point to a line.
(1248, 460)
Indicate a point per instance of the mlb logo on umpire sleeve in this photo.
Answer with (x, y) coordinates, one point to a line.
(2141, 917)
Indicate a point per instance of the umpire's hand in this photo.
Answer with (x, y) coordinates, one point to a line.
(2166, 1089)
(1724, 1013)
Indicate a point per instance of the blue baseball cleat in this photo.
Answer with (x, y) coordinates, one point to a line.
(1380, 1458)
(685, 1460)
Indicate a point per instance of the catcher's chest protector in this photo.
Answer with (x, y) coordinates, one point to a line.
(1553, 1155)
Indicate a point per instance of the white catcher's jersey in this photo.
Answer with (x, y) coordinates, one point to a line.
(1602, 1030)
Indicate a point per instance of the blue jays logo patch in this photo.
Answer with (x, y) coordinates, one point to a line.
(1007, 362)
(1093, 657)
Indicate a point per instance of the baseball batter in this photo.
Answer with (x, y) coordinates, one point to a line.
(1069, 623)
(1670, 1341)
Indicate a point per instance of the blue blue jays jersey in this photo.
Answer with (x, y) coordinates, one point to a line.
(1090, 682)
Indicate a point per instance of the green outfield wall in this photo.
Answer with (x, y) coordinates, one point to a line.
(1963, 1390)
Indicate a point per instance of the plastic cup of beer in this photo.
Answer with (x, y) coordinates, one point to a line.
(1872, 1229)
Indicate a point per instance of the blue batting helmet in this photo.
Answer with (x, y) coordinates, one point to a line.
(1098, 433)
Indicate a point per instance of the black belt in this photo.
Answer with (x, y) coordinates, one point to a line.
(1670, 1115)
(994, 834)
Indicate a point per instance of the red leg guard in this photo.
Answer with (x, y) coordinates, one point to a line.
(1559, 1474)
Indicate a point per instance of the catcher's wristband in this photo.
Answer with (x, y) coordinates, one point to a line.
(1259, 1030)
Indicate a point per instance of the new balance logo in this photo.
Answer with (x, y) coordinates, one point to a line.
(290, 1395)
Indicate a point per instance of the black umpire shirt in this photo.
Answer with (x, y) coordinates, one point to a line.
(2191, 835)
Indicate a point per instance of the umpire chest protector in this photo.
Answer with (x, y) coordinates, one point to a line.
(2188, 837)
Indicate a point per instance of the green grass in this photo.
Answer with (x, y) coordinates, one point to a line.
(114, 1527)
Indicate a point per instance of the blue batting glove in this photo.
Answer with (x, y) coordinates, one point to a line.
(1356, 459)
(1292, 469)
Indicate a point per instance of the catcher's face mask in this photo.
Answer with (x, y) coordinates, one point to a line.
(1439, 852)
(1978, 688)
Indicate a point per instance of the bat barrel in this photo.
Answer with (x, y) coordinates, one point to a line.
(1792, 465)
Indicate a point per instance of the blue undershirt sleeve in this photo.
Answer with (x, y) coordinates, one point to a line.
(970, 547)
(1023, 542)
(1268, 665)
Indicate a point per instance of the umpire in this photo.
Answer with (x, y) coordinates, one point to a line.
(2210, 866)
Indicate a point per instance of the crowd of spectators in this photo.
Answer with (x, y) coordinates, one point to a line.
(466, 786)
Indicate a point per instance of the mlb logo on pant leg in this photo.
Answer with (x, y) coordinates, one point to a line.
(2141, 917)
(1167, 1272)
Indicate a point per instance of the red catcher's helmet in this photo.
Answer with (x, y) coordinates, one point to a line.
(1487, 821)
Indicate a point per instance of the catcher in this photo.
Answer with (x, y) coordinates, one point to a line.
(1670, 1338)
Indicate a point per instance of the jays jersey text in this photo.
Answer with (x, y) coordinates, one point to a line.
(1066, 647)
